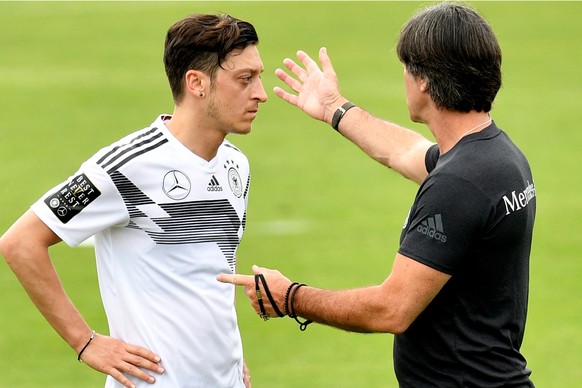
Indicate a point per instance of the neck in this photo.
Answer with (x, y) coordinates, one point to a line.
(194, 135)
(451, 127)
(476, 128)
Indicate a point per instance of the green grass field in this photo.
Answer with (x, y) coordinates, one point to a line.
(77, 76)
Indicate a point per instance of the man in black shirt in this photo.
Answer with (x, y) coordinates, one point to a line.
(457, 294)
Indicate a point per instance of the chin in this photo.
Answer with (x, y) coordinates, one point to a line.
(240, 131)
(416, 119)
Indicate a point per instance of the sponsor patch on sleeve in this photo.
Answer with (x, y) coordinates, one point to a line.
(72, 198)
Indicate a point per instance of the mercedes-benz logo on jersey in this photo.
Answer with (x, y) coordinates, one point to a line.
(176, 185)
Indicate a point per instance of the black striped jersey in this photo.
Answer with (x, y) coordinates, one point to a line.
(166, 222)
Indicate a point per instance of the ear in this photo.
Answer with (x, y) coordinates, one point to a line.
(196, 82)
(423, 83)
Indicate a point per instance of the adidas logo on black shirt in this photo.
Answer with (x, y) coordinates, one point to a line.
(433, 228)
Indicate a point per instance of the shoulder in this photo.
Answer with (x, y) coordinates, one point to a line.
(129, 147)
(227, 145)
(229, 150)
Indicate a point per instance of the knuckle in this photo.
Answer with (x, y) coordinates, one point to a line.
(139, 361)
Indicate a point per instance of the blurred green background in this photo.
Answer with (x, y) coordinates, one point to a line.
(75, 76)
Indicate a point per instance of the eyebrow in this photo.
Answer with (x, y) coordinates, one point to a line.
(249, 70)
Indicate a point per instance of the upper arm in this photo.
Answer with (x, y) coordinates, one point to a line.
(396, 147)
(411, 162)
(412, 286)
(27, 234)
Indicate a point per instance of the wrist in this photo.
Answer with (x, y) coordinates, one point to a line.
(287, 295)
(339, 114)
(293, 288)
(78, 338)
(332, 107)
(86, 345)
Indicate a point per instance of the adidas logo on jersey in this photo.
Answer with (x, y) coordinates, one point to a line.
(213, 185)
(433, 228)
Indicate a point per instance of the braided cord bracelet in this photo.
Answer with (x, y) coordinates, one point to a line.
(261, 278)
(85, 347)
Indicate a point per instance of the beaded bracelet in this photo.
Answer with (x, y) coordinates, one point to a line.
(302, 325)
(287, 297)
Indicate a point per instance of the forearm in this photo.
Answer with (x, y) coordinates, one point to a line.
(46, 292)
(25, 248)
(396, 147)
(363, 310)
(390, 307)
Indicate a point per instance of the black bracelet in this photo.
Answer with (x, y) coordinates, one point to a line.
(302, 325)
(287, 297)
(339, 114)
(85, 347)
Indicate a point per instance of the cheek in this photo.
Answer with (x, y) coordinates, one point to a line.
(409, 96)
(230, 99)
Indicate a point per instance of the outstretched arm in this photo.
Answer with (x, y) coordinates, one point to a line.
(389, 307)
(25, 248)
(317, 93)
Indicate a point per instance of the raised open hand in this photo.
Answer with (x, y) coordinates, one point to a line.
(317, 90)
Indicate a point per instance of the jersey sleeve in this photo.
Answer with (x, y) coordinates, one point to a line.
(431, 157)
(82, 206)
(448, 213)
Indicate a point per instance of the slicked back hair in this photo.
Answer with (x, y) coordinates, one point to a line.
(202, 42)
(455, 50)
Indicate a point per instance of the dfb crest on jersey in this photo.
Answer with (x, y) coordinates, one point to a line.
(234, 180)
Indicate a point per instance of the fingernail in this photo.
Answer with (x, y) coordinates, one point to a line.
(161, 370)
(157, 359)
(151, 380)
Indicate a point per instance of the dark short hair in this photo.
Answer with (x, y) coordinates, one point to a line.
(202, 42)
(455, 50)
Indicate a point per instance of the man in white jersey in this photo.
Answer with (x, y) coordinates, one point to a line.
(167, 206)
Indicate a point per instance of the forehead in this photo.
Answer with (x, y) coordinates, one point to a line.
(245, 60)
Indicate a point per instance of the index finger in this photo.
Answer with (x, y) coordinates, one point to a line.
(236, 279)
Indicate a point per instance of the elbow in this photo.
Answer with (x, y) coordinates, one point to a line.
(403, 168)
(14, 249)
(391, 322)
(393, 327)
(3, 247)
(400, 327)
(389, 311)
(7, 249)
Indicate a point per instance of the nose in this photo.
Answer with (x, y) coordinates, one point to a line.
(260, 93)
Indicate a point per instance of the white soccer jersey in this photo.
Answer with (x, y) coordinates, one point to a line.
(166, 223)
